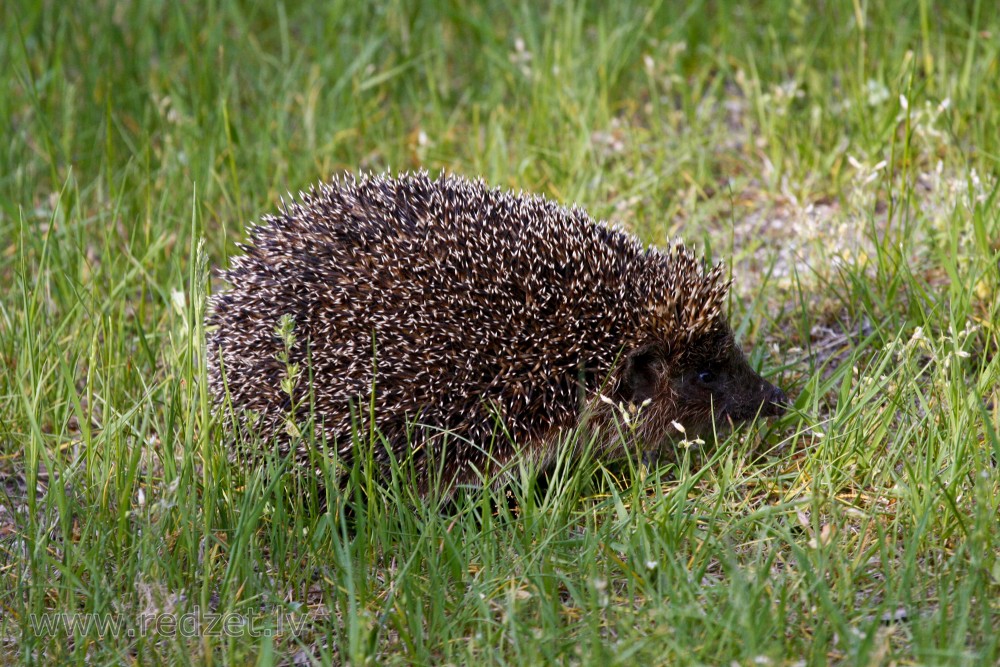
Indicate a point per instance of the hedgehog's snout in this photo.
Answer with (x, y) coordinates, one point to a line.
(775, 400)
(759, 398)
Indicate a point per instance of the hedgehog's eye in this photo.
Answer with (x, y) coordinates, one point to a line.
(706, 377)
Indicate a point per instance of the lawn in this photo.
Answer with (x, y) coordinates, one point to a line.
(840, 157)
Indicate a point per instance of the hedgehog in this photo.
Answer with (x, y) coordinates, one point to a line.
(469, 326)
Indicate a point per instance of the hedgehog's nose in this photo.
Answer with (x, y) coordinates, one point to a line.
(776, 401)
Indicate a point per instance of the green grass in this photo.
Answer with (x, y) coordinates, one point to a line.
(842, 161)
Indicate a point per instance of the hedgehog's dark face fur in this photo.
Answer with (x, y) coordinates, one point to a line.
(470, 311)
(707, 387)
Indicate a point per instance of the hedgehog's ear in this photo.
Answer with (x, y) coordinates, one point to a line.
(641, 370)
